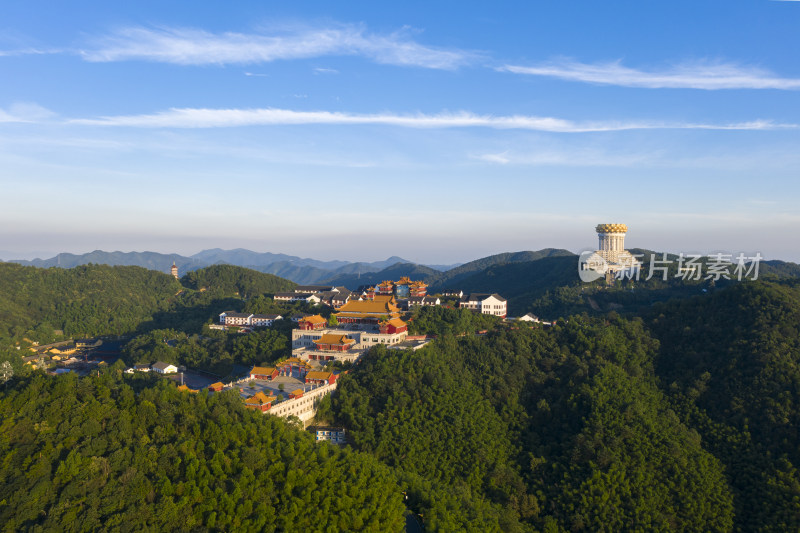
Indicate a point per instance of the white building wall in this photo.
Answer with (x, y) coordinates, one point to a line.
(304, 408)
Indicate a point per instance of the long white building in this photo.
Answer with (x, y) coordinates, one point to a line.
(488, 304)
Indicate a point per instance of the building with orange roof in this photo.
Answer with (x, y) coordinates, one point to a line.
(305, 343)
(394, 325)
(312, 322)
(321, 378)
(264, 372)
(367, 312)
(260, 401)
(385, 287)
(334, 342)
(67, 349)
(216, 387)
(297, 393)
(417, 289)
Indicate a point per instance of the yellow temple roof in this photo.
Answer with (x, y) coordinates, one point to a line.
(370, 307)
(314, 319)
(265, 370)
(334, 338)
(260, 398)
(319, 375)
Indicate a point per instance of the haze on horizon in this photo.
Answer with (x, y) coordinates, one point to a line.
(437, 134)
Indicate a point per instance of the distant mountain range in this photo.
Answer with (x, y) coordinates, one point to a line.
(520, 276)
(297, 269)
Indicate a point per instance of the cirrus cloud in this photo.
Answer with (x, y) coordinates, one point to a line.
(695, 75)
(186, 46)
(216, 118)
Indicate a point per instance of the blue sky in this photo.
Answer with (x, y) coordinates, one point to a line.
(440, 132)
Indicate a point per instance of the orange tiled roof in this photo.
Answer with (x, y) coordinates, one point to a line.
(217, 384)
(319, 375)
(263, 370)
(314, 319)
(297, 392)
(294, 361)
(396, 322)
(333, 338)
(373, 307)
(260, 398)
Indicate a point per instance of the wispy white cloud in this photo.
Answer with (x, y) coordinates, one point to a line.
(25, 112)
(198, 47)
(589, 153)
(320, 70)
(29, 52)
(696, 75)
(499, 158)
(217, 118)
(571, 157)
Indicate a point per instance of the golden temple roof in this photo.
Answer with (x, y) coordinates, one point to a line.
(260, 398)
(319, 375)
(611, 228)
(263, 370)
(370, 307)
(334, 338)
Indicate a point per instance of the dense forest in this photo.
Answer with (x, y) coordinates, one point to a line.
(215, 352)
(243, 282)
(99, 454)
(678, 411)
(85, 300)
(45, 304)
(161, 318)
(561, 428)
(439, 320)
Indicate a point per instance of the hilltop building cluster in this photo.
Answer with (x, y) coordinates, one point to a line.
(360, 324)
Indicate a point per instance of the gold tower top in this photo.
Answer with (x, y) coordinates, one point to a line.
(612, 228)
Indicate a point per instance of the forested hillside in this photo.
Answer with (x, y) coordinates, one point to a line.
(732, 363)
(85, 300)
(544, 429)
(452, 278)
(98, 454)
(43, 305)
(230, 279)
